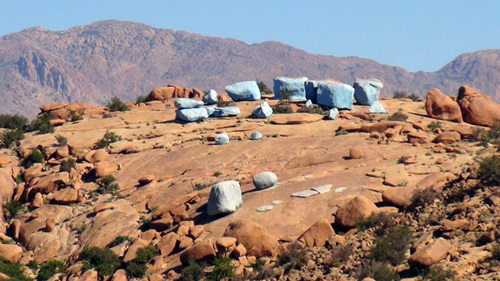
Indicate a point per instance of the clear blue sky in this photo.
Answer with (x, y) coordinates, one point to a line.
(416, 35)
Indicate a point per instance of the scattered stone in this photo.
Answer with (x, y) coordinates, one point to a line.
(332, 114)
(104, 168)
(377, 108)
(225, 197)
(440, 106)
(418, 137)
(263, 110)
(196, 231)
(254, 237)
(256, 136)
(167, 243)
(191, 114)
(335, 94)
(367, 91)
(243, 91)
(185, 242)
(265, 180)
(352, 211)
(294, 86)
(356, 153)
(11, 252)
(304, 193)
(211, 97)
(276, 202)
(146, 179)
(322, 189)
(339, 189)
(265, 208)
(221, 139)
(309, 104)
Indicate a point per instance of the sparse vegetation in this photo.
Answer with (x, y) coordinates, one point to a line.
(312, 110)
(339, 255)
(217, 174)
(263, 88)
(104, 261)
(392, 246)
(12, 208)
(107, 184)
(12, 137)
(140, 99)
(283, 105)
(223, 270)
(193, 271)
(137, 267)
(118, 240)
(434, 125)
(34, 157)
(67, 165)
(49, 269)
(398, 116)
(399, 95)
(200, 186)
(413, 97)
(108, 138)
(382, 222)
(115, 104)
(61, 140)
(489, 171)
(13, 270)
(293, 258)
(378, 271)
(422, 198)
(13, 122)
(438, 273)
(75, 115)
(41, 124)
(495, 251)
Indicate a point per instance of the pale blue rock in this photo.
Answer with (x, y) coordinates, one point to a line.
(191, 114)
(295, 86)
(367, 91)
(256, 136)
(243, 91)
(225, 198)
(221, 139)
(182, 103)
(311, 87)
(377, 108)
(226, 111)
(265, 180)
(309, 104)
(332, 114)
(210, 97)
(210, 109)
(262, 110)
(334, 94)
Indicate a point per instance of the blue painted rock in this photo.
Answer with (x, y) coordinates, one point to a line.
(211, 97)
(295, 86)
(221, 139)
(377, 108)
(191, 114)
(183, 103)
(225, 198)
(210, 109)
(226, 111)
(367, 91)
(311, 87)
(332, 114)
(335, 94)
(265, 180)
(243, 91)
(256, 136)
(263, 110)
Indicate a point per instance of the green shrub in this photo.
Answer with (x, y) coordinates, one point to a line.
(13, 207)
(393, 246)
(200, 186)
(135, 270)
(413, 97)
(13, 270)
(145, 254)
(398, 116)
(193, 271)
(34, 157)
(378, 271)
(75, 115)
(489, 171)
(382, 222)
(437, 273)
(107, 185)
(422, 198)
(339, 255)
(495, 251)
(42, 125)
(434, 125)
(399, 95)
(293, 258)
(49, 269)
(137, 267)
(67, 165)
(61, 140)
(116, 105)
(140, 99)
(13, 122)
(312, 110)
(104, 261)
(282, 109)
(217, 174)
(223, 270)
(491, 136)
(263, 88)
(118, 240)
(12, 137)
(108, 138)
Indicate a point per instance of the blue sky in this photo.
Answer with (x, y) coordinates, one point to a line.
(417, 35)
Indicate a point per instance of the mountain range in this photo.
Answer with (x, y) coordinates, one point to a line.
(96, 62)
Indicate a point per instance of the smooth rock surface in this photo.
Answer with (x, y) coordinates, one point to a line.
(265, 180)
(182, 103)
(335, 94)
(256, 136)
(211, 97)
(367, 91)
(377, 108)
(221, 139)
(225, 198)
(441, 106)
(191, 114)
(295, 86)
(226, 111)
(243, 91)
(263, 110)
(332, 114)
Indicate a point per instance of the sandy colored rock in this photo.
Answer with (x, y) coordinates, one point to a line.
(354, 210)
(5, 160)
(318, 234)
(89, 275)
(185, 242)
(442, 107)
(37, 201)
(448, 137)
(196, 231)
(356, 153)
(132, 250)
(294, 118)
(146, 179)
(418, 137)
(120, 275)
(254, 237)
(477, 108)
(398, 196)
(66, 196)
(200, 251)
(11, 252)
(162, 93)
(162, 224)
(52, 106)
(167, 243)
(104, 168)
(430, 254)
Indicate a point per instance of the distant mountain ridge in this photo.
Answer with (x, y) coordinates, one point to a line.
(95, 62)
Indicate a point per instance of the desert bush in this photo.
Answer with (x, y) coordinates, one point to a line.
(34, 157)
(399, 95)
(193, 271)
(140, 99)
(104, 261)
(393, 246)
(41, 124)
(12, 208)
(145, 254)
(108, 138)
(223, 270)
(49, 269)
(263, 88)
(13, 270)
(489, 171)
(107, 185)
(13, 122)
(495, 251)
(135, 270)
(437, 273)
(434, 125)
(200, 186)
(339, 255)
(118, 240)
(378, 271)
(413, 97)
(75, 115)
(398, 116)
(137, 267)
(422, 198)
(312, 110)
(67, 165)
(61, 140)
(115, 104)
(12, 137)
(382, 223)
(293, 258)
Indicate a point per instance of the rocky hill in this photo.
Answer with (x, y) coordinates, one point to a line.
(95, 62)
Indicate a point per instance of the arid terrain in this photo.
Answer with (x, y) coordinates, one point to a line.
(383, 196)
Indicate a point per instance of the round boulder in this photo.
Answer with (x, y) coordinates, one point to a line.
(221, 139)
(265, 180)
(356, 153)
(225, 198)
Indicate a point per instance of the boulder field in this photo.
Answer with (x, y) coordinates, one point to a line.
(253, 187)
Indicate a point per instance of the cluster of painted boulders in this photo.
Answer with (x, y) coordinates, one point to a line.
(191, 110)
(469, 106)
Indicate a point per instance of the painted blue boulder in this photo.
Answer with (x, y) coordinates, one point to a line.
(211, 97)
(295, 86)
(311, 87)
(210, 109)
(221, 139)
(334, 94)
(225, 198)
(256, 136)
(367, 91)
(263, 110)
(243, 91)
(191, 114)
(377, 108)
(182, 103)
(226, 111)
(332, 114)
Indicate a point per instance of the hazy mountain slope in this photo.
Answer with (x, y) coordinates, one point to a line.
(92, 63)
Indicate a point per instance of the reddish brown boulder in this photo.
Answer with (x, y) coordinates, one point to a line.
(431, 253)
(179, 91)
(200, 251)
(167, 243)
(356, 153)
(52, 106)
(477, 108)
(161, 93)
(132, 250)
(197, 94)
(359, 207)
(12, 253)
(254, 237)
(104, 168)
(440, 106)
(448, 137)
(318, 234)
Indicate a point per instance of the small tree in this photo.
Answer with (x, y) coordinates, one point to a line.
(42, 125)
(108, 138)
(61, 140)
(140, 99)
(12, 137)
(13, 121)
(116, 105)
(263, 88)
(104, 261)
